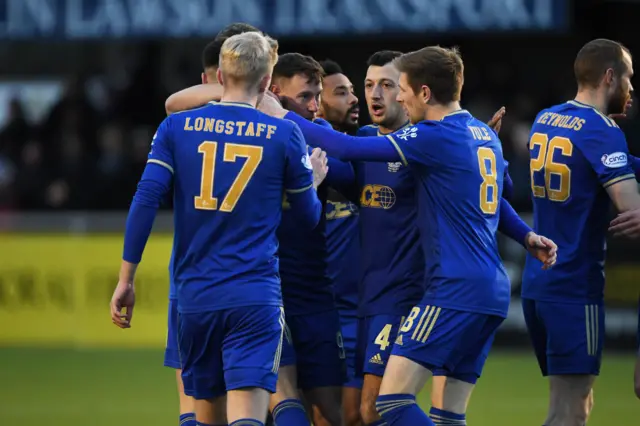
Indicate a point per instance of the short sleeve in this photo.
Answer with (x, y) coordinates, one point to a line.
(417, 144)
(607, 152)
(161, 152)
(299, 174)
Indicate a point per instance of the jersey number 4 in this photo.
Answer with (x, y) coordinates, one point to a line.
(208, 149)
(561, 190)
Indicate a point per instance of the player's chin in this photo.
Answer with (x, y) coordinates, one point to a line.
(378, 119)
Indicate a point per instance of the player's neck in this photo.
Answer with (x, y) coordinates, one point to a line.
(438, 112)
(239, 97)
(593, 98)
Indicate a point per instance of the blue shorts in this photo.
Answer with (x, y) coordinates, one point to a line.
(349, 328)
(567, 338)
(376, 335)
(171, 352)
(230, 349)
(316, 349)
(448, 342)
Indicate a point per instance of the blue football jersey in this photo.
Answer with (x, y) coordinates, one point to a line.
(343, 248)
(391, 256)
(459, 167)
(231, 165)
(576, 153)
(307, 287)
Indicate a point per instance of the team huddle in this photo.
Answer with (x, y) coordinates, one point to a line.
(323, 272)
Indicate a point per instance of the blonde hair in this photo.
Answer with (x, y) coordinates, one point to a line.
(248, 57)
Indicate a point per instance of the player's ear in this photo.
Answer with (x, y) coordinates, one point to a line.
(275, 89)
(219, 77)
(425, 93)
(203, 78)
(609, 75)
(264, 84)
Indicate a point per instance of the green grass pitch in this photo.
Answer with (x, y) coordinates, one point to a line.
(121, 388)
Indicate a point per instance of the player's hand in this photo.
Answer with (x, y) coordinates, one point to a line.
(124, 297)
(542, 248)
(318, 160)
(626, 225)
(271, 106)
(496, 121)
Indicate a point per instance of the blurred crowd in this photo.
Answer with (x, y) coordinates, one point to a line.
(88, 151)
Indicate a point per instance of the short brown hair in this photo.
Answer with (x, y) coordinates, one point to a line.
(437, 67)
(211, 52)
(595, 58)
(290, 64)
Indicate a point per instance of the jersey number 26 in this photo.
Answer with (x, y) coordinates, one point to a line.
(560, 190)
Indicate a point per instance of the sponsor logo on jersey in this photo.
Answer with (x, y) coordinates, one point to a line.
(614, 160)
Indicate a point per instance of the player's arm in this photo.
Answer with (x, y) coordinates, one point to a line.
(341, 175)
(515, 228)
(153, 186)
(511, 224)
(610, 162)
(303, 175)
(635, 165)
(507, 186)
(345, 147)
(192, 97)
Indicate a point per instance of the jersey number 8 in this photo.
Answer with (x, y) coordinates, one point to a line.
(487, 166)
(208, 149)
(544, 159)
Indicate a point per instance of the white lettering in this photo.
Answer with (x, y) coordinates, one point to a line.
(285, 18)
(146, 15)
(162, 18)
(113, 17)
(315, 15)
(356, 12)
(76, 25)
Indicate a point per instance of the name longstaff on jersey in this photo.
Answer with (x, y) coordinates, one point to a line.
(221, 184)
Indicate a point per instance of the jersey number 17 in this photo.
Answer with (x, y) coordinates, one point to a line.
(208, 149)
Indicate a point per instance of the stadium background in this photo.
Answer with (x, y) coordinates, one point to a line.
(82, 88)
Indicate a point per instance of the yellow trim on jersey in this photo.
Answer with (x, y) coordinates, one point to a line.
(610, 122)
(161, 163)
(404, 126)
(298, 191)
(618, 179)
(238, 104)
(395, 144)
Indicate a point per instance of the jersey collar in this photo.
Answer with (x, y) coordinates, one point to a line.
(407, 124)
(458, 112)
(238, 104)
